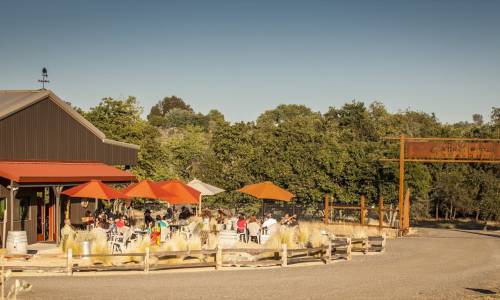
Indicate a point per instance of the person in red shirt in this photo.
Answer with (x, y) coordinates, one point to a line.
(241, 224)
(120, 223)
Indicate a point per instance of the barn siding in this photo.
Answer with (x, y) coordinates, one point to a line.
(44, 131)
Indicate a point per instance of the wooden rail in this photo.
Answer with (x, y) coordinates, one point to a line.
(337, 248)
(282, 256)
(362, 208)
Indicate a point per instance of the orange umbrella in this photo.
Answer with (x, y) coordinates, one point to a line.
(181, 193)
(146, 189)
(94, 189)
(267, 190)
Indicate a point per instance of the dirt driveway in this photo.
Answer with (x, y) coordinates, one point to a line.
(433, 264)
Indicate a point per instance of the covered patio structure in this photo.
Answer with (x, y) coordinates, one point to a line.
(46, 147)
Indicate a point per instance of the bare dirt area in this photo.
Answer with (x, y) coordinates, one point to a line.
(430, 264)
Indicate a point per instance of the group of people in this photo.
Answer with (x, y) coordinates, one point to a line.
(160, 226)
(252, 227)
(106, 220)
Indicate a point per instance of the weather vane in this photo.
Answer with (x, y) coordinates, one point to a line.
(44, 78)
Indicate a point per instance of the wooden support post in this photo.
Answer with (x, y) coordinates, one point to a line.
(381, 212)
(3, 275)
(349, 248)
(331, 215)
(327, 210)
(284, 255)
(199, 206)
(57, 215)
(329, 252)
(146, 260)
(69, 262)
(218, 258)
(401, 177)
(406, 210)
(11, 207)
(362, 210)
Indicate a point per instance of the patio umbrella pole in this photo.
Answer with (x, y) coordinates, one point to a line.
(263, 209)
(199, 206)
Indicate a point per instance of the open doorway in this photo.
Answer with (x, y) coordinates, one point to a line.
(45, 221)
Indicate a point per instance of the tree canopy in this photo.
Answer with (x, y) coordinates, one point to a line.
(309, 153)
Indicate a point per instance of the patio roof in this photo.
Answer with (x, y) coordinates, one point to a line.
(62, 172)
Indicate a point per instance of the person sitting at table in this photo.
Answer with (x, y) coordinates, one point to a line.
(111, 226)
(286, 220)
(293, 221)
(119, 222)
(269, 223)
(169, 214)
(102, 223)
(253, 229)
(88, 220)
(147, 217)
(185, 213)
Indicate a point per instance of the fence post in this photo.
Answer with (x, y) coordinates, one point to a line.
(284, 255)
(327, 210)
(146, 260)
(332, 209)
(381, 212)
(329, 252)
(362, 210)
(349, 248)
(69, 262)
(218, 258)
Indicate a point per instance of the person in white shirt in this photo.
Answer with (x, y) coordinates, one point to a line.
(269, 223)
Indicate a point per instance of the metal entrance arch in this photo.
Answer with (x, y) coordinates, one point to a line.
(439, 150)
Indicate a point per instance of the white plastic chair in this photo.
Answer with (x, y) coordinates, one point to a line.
(253, 231)
(187, 230)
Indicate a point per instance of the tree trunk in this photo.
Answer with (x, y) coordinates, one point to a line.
(437, 211)
(477, 215)
(454, 213)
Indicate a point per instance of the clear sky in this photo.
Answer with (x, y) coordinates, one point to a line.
(244, 57)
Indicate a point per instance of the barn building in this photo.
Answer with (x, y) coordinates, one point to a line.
(46, 147)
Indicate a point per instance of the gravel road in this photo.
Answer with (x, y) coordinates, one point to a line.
(432, 264)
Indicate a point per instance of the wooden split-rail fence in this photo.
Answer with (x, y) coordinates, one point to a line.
(338, 248)
(330, 207)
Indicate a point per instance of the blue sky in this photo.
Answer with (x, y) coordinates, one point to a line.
(244, 57)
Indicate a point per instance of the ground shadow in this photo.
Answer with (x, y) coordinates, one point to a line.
(454, 224)
(478, 233)
(482, 291)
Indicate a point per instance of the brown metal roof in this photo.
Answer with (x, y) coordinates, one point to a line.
(12, 101)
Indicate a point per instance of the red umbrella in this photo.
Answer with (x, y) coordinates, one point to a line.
(146, 189)
(94, 189)
(180, 193)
